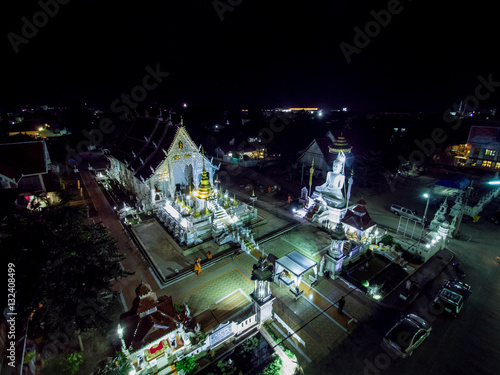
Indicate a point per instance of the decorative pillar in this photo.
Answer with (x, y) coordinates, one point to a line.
(262, 297)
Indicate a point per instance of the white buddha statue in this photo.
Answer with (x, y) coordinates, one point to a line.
(334, 180)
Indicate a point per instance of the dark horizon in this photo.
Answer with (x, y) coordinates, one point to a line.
(426, 58)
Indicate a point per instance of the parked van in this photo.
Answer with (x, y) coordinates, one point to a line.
(403, 211)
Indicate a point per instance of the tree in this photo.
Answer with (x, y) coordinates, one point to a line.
(67, 365)
(64, 268)
(187, 364)
(115, 366)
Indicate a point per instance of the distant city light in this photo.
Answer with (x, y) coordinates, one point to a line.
(185, 105)
(344, 109)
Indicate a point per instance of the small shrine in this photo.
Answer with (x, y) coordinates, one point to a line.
(359, 225)
(290, 269)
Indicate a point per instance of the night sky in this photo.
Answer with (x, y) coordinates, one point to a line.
(263, 53)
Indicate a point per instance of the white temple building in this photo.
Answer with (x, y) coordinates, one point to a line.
(154, 159)
(158, 165)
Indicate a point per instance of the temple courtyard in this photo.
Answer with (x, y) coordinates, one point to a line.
(222, 290)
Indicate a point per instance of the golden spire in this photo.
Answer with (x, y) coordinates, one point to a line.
(234, 201)
(196, 213)
(206, 211)
(204, 189)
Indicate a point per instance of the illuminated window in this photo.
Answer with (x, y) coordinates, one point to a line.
(490, 152)
(497, 165)
(486, 163)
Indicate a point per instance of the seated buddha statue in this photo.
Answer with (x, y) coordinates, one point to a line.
(334, 182)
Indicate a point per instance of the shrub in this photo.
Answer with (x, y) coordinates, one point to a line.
(187, 364)
(274, 368)
(387, 239)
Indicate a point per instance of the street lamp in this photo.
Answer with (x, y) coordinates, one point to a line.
(428, 196)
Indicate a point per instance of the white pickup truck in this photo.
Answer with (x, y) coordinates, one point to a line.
(403, 211)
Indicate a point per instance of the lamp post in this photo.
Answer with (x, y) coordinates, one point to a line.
(428, 196)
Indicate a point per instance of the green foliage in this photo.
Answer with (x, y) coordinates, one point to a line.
(274, 368)
(178, 308)
(273, 335)
(28, 357)
(289, 353)
(118, 365)
(187, 364)
(72, 363)
(249, 344)
(203, 336)
(387, 239)
(64, 365)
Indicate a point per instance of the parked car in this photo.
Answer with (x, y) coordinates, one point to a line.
(407, 335)
(403, 211)
(452, 297)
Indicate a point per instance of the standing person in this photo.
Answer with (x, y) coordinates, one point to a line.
(341, 304)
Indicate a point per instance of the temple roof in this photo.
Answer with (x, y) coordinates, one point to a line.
(358, 217)
(23, 159)
(143, 289)
(142, 143)
(323, 144)
(140, 331)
